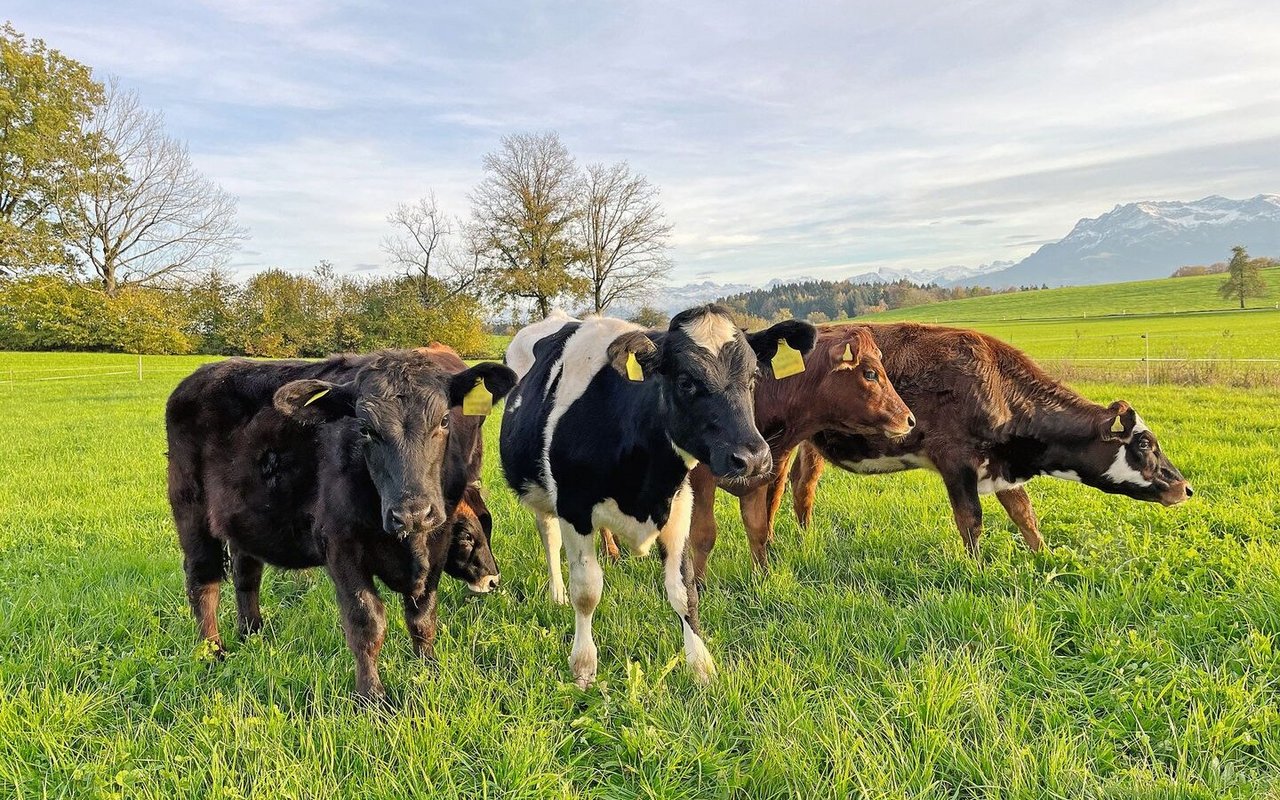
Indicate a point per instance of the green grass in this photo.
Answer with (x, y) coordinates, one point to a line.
(1163, 296)
(1097, 332)
(1138, 657)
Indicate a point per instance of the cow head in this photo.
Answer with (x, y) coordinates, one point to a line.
(400, 406)
(854, 391)
(706, 369)
(1125, 458)
(470, 558)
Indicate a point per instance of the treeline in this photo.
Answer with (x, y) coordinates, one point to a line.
(110, 239)
(821, 301)
(1219, 267)
(275, 314)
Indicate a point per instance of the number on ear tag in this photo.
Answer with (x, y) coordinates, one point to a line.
(477, 402)
(787, 361)
(634, 372)
(316, 397)
(1117, 426)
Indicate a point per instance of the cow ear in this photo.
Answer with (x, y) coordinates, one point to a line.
(1118, 424)
(798, 335)
(488, 376)
(312, 402)
(634, 356)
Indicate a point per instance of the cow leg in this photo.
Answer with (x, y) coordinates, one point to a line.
(805, 473)
(586, 582)
(754, 507)
(776, 489)
(962, 489)
(364, 620)
(1018, 506)
(549, 529)
(682, 592)
(610, 543)
(420, 617)
(246, 574)
(204, 564)
(702, 532)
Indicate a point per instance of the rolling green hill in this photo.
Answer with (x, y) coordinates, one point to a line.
(1137, 297)
(1104, 332)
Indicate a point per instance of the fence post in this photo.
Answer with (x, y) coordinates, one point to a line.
(1146, 358)
(139, 368)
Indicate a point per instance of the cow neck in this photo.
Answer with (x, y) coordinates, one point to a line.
(784, 413)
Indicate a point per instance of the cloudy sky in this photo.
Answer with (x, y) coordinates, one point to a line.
(788, 138)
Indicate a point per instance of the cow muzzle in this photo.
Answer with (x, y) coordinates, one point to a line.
(413, 516)
(1176, 493)
(485, 584)
(742, 462)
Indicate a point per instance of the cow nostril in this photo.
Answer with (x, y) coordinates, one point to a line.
(494, 580)
(911, 421)
(738, 461)
(1189, 490)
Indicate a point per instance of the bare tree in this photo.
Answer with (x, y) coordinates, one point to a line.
(425, 247)
(145, 215)
(623, 235)
(523, 211)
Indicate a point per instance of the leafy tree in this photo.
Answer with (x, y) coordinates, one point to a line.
(283, 315)
(650, 317)
(622, 234)
(144, 214)
(211, 312)
(1244, 278)
(522, 212)
(46, 100)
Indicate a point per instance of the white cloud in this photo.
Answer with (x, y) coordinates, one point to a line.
(815, 137)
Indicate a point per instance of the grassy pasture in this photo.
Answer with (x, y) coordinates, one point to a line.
(1096, 332)
(1138, 657)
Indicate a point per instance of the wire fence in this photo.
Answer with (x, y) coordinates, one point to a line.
(1125, 357)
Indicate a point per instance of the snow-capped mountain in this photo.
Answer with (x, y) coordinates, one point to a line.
(1138, 241)
(926, 275)
(672, 300)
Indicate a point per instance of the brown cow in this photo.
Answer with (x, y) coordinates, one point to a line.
(989, 421)
(843, 388)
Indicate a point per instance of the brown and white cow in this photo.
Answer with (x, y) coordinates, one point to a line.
(844, 387)
(988, 420)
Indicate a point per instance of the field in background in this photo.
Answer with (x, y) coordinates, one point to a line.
(1124, 331)
(1136, 658)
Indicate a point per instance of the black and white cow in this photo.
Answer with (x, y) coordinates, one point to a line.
(603, 428)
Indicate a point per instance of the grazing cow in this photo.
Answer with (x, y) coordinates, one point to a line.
(989, 421)
(365, 465)
(603, 429)
(844, 387)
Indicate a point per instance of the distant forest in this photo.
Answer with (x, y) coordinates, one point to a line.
(822, 301)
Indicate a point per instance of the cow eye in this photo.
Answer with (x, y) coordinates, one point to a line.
(367, 431)
(685, 384)
(444, 422)
(1144, 444)
(871, 375)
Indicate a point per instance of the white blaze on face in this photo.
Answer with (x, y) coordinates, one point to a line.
(1120, 472)
(710, 331)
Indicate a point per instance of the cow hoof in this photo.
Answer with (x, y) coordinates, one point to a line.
(700, 661)
(373, 697)
(703, 668)
(250, 627)
(583, 665)
(559, 596)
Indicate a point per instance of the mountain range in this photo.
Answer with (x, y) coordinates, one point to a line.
(1134, 241)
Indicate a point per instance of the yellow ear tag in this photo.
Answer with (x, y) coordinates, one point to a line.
(1117, 426)
(787, 361)
(316, 397)
(848, 354)
(634, 372)
(478, 402)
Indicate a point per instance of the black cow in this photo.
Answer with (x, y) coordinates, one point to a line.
(603, 430)
(362, 464)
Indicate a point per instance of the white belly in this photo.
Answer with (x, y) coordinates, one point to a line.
(886, 464)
